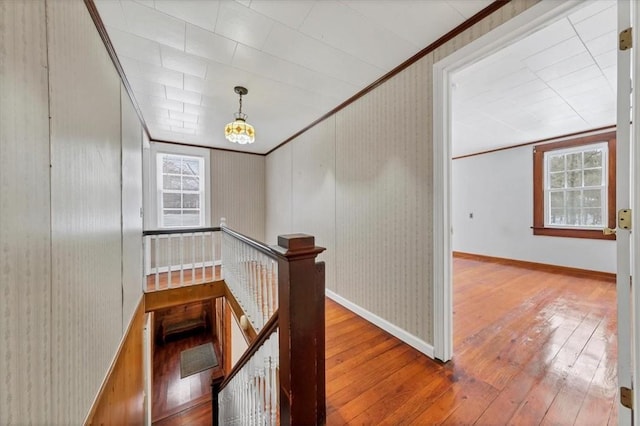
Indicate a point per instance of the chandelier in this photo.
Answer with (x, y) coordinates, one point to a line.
(239, 131)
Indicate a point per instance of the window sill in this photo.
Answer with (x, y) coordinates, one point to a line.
(593, 234)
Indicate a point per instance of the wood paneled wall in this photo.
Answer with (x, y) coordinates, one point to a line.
(62, 297)
(379, 189)
(25, 274)
(86, 295)
(238, 191)
(120, 400)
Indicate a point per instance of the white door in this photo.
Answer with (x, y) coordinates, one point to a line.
(626, 166)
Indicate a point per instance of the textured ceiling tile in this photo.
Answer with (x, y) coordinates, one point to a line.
(565, 67)
(345, 29)
(242, 24)
(468, 8)
(153, 73)
(184, 96)
(154, 25)
(555, 54)
(197, 12)
(209, 45)
(598, 24)
(274, 68)
(177, 60)
(306, 51)
(605, 43)
(590, 10)
(288, 12)
(133, 46)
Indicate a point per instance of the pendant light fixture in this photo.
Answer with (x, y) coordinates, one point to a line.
(239, 131)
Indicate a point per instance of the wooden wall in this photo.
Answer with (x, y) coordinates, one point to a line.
(120, 400)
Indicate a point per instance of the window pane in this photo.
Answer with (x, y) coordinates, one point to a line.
(556, 217)
(574, 217)
(190, 183)
(190, 167)
(573, 199)
(556, 180)
(593, 158)
(191, 201)
(172, 218)
(170, 182)
(171, 200)
(170, 164)
(556, 163)
(593, 177)
(592, 217)
(592, 198)
(574, 179)
(557, 199)
(574, 161)
(191, 218)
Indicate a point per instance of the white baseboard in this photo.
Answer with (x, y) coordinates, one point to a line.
(392, 329)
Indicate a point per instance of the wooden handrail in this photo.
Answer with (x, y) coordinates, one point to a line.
(262, 337)
(180, 231)
(249, 241)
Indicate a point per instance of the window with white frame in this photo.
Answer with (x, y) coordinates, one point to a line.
(181, 186)
(177, 190)
(574, 187)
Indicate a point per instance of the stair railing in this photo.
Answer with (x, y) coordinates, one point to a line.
(280, 378)
(180, 257)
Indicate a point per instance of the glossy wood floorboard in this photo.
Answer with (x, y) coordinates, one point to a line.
(530, 348)
(171, 394)
(186, 277)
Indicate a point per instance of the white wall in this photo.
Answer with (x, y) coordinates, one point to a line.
(63, 302)
(497, 188)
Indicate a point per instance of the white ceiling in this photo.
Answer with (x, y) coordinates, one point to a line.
(559, 80)
(299, 59)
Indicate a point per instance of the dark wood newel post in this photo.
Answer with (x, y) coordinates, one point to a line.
(215, 390)
(301, 324)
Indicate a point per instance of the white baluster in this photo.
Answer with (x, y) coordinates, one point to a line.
(169, 260)
(193, 258)
(156, 257)
(181, 241)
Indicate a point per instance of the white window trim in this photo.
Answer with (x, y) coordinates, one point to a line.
(604, 186)
(152, 204)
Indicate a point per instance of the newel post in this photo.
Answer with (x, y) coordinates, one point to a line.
(301, 328)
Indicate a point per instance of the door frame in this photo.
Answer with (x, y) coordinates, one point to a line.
(512, 30)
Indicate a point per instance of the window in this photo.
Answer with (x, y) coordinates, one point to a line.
(181, 190)
(179, 186)
(574, 187)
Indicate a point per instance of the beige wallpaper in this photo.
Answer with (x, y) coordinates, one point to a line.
(279, 182)
(62, 308)
(86, 296)
(131, 131)
(238, 191)
(383, 190)
(313, 171)
(25, 274)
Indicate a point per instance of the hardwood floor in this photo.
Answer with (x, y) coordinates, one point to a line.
(530, 348)
(175, 399)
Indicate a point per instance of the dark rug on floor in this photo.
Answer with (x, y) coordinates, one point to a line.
(197, 359)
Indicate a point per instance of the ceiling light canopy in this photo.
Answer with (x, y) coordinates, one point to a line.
(239, 131)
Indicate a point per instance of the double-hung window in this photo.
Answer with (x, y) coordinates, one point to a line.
(574, 187)
(179, 186)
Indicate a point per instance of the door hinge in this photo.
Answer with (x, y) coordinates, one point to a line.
(624, 219)
(625, 39)
(626, 397)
